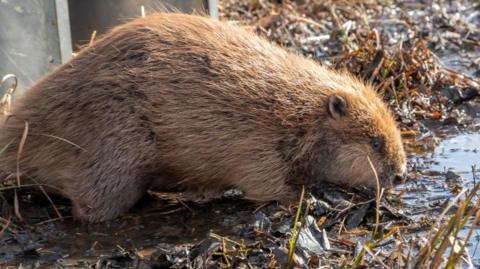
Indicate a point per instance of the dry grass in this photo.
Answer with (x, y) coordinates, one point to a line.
(350, 35)
(5, 108)
(409, 74)
(404, 74)
(442, 247)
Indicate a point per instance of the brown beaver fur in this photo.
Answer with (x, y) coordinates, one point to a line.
(181, 102)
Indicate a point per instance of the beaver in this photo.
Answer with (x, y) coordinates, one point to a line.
(186, 103)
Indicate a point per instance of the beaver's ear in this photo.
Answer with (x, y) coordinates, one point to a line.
(337, 106)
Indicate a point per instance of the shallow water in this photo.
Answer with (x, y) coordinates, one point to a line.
(428, 195)
(459, 153)
(151, 226)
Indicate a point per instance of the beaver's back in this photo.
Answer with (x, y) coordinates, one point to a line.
(156, 96)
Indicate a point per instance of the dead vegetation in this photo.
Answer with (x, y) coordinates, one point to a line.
(401, 48)
(397, 46)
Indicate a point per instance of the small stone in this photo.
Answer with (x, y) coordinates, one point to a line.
(358, 248)
(262, 223)
(320, 208)
(233, 194)
(451, 176)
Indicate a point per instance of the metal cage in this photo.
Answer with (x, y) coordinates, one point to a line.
(36, 36)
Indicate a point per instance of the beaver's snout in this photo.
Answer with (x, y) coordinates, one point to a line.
(399, 178)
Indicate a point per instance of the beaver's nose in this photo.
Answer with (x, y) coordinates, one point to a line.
(399, 178)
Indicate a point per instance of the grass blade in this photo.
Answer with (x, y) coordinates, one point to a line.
(293, 239)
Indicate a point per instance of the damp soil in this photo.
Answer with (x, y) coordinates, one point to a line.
(162, 231)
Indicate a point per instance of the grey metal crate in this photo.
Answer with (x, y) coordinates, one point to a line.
(37, 35)
(29, 39)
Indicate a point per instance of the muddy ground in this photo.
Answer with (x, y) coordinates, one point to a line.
(163, 232)
(429, 53)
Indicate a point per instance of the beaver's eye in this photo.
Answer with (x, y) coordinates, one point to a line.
(377, 144)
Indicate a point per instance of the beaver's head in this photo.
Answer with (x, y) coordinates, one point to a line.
(358, 126)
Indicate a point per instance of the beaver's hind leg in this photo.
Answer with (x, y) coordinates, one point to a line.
(111, 184)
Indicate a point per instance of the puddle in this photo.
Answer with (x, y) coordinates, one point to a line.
(454, 163)
(70, 244)
(458, 153)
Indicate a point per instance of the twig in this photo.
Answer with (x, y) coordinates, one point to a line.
(367, 249)
(64, 140)
(185, 205)
(48, 198)
(224, 252)
(92, 38)
(20, 149)
(261, 206)
(379, 196)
